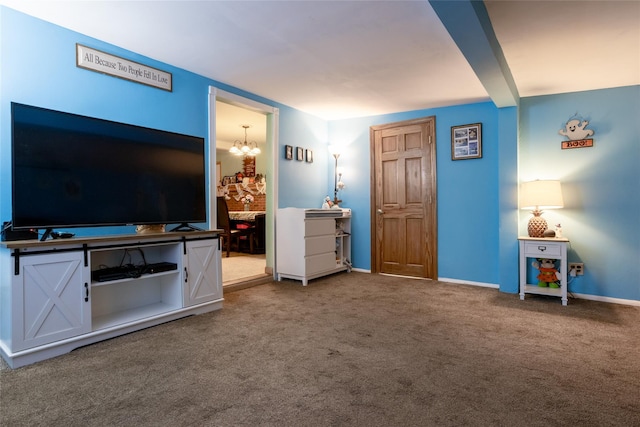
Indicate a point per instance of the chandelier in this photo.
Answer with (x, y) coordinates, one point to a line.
(245, 148)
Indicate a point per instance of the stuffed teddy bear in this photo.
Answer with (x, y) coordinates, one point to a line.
(548, 276)
(327, 203)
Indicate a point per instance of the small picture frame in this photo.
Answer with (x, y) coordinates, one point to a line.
(309, 156)
(288, 152)
(299, 154)
(466, 142)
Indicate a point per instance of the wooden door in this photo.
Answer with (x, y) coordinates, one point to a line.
(404, 222)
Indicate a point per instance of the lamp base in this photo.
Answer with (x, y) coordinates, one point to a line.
(537, 225)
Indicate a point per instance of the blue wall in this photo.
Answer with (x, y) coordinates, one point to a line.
(467, 191)
(302, 184)
(601, 184)
(478, 219)
(38, 68)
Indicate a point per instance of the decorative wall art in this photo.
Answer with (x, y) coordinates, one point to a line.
(466, 142)
(249, 166)
(301, 154)
(575, 131)
(101, 62)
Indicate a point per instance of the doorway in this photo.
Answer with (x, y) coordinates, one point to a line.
(404, 203)
(229, 113)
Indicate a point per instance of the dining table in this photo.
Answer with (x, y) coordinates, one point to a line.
(247, 220)
(247, 216)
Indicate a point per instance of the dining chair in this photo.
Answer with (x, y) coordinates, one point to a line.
(259, 234)
(230, 234)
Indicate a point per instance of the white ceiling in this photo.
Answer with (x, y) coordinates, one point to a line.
(229, 122)
(342, 59)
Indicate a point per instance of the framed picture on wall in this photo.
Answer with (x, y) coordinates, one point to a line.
(288, 152)
(249, 166)
(309, 156)
(466, 142)
(299, 153)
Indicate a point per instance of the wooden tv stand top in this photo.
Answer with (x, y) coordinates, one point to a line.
(88, 240)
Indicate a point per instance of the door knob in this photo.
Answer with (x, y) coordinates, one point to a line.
(380, 211)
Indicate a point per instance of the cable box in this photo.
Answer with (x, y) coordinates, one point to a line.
(159, 267)
(130, 271)
(115, 273)
(9, 234)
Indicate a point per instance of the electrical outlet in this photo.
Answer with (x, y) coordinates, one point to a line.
(578, 267)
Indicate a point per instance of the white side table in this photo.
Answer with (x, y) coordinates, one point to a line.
(542, 247)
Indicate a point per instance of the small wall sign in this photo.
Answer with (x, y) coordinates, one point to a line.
(95, 60)
(575, 130)
(581, 143)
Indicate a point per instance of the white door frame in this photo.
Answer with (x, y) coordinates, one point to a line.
(272, 114)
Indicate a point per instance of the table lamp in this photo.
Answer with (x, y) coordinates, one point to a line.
(538, 195)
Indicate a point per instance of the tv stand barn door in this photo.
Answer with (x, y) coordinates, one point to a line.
(203, 274)
(52, 301)
(52, 298)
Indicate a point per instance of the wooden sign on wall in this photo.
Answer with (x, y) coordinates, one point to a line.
(581, 143)
(249, 166)
(101, 62)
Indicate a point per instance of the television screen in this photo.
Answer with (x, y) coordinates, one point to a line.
(76, 171)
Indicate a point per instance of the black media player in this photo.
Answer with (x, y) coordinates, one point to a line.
(159, 267)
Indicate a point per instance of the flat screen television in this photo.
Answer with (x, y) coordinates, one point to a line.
(75, 171)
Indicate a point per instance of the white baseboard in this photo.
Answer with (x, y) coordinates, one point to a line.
(494, 286)
(467, 282)
(606, 299)
(571, 294)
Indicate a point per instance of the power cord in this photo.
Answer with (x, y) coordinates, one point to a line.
(572, 276)
(126, 253)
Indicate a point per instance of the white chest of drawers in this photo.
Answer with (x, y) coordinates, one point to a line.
(312, 243)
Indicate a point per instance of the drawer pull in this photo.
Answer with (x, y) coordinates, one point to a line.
(542, 248)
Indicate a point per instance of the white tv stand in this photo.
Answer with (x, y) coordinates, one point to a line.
(49, 304)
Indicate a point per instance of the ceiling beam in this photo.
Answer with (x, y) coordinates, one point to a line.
(468, 23)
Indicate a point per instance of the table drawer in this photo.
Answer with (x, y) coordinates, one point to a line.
(542, 249)
(318, 263)
(319, 245)
(319, 227)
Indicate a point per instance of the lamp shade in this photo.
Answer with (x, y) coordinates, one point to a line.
(541, 194)
(334, 150)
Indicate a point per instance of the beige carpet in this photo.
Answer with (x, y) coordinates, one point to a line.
(352, 349)
(240, 266)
